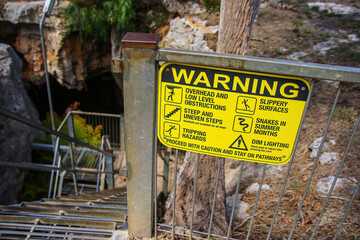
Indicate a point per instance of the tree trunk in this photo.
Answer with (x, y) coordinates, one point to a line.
(208, 166)
(236, 19)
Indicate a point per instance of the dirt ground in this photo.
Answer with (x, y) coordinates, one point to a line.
(298, 30)
(278, 32)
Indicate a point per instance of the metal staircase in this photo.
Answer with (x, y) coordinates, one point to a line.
(86, 216)
(80, 171)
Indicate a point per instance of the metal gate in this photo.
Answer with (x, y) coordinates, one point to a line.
(138, 72)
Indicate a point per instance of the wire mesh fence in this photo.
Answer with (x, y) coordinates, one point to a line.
(314, 196)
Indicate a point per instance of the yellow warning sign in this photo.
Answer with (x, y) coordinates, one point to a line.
(229, 113)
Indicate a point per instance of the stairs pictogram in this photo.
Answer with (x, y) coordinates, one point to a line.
(172, 112)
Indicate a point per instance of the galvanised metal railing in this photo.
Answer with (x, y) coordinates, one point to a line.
(84, 158)
(93, 128)
(110, 125)
(139, 66)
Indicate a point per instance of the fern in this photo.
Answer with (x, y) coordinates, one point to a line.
(96, 18)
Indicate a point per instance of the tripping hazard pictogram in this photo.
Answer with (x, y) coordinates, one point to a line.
(242, 124)
(171, 130)
(173, 94)
(239, 144)
(172, 112)
(246, 105)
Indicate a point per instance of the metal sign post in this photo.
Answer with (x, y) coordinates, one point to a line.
(139, 74)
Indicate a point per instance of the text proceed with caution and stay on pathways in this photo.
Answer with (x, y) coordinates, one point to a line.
(228, 113)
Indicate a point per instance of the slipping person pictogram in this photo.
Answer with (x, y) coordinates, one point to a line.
(246, 105)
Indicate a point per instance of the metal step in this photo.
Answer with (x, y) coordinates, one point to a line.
(86, 216)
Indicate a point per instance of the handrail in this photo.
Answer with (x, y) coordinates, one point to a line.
(53, 132)
(48, 167)
(95, 113)
(64, 121)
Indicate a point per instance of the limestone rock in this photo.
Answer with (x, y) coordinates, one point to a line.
(232, 170)
(182, 7)
(296, 55)
(70, 61)
(277, 171)
(188, 33)
(29, 12)
(328, 157)
(334, 8)
(315, 145)
(15, 137)
(254, 188)
(241, 207)
(343, 186)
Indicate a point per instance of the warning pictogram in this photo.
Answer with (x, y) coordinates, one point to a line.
(172, 112)
(242, 124)
(173, 94)
(246, 105)
(239, 144)
(171, 130)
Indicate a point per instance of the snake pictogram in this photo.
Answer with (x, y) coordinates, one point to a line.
(245, 125)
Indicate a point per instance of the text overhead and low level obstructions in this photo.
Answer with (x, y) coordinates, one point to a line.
(228, 113)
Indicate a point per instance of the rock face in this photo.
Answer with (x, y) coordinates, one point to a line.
(343, 186)
(334, 8)
(70, 61)
(15, 137)
(188, 33)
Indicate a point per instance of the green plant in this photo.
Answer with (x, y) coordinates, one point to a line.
(298, 22)
(86, 133)
(212, 5)
(35, 186)
(315, 8)
(279, 52)
(96, 18)
(346, 53)
(83, 131)
(308, 14)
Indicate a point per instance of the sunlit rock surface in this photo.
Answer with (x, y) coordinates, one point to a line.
(70, 61)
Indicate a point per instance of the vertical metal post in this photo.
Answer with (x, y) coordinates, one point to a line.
(55, 160)
(109, 165)
(173, 223)
(71, 126)
(46, 13)
(100, 164)
(139, 76)
(73, 167)
(166, 173)
(122, 133)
